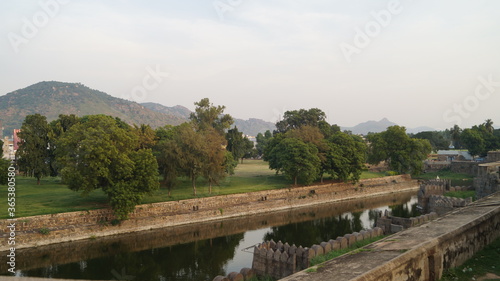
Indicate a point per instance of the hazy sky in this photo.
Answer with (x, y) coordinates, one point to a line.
(432, 63)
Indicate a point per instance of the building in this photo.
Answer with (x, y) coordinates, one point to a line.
(9, 152)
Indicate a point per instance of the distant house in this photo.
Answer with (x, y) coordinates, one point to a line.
(9, 152)
(453, 155)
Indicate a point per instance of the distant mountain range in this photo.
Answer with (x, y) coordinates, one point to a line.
(380, 126)
(250, 127)
(51, 98)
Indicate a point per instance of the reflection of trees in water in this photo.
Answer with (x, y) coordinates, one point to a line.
(403, 211)
(316, 231)
(201, 260)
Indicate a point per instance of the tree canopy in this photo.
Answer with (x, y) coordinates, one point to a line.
(99, 154)
(402, 153)
(33, 153)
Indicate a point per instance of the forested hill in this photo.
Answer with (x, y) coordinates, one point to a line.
(53, 98)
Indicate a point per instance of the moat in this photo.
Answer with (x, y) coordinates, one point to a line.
(205, 250)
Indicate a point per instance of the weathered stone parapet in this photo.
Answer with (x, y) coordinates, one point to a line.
(279, 260)
(419, 253)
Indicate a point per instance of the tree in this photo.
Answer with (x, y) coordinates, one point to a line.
(436, 139)
(455, 133)
(192, 151)
(214, 158)
(147, 136)
(402, 153)
(480, 139)
(207, 115)
(235, 143)
(346, 157)
(297, 118)
(167, 153)
(33, 153)
(296, 159)
(262, 141)
(102, 153)
(57, 128)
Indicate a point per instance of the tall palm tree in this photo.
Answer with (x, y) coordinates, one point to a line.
(488, 124)
(455, 135)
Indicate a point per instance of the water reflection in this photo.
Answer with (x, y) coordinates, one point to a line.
(202, 251)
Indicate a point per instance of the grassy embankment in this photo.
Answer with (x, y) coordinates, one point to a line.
(54, 197)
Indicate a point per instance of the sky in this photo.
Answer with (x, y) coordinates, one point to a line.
(417, 63)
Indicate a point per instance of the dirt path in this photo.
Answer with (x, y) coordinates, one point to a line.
(489, 276)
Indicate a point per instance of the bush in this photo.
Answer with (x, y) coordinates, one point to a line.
(391, 173)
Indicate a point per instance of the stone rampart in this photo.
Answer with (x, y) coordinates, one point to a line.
(279, 260)
(419, 253)
(464, 167)
(81, 225)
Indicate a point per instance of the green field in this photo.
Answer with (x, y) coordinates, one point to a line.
(54, 197)
(456, 179)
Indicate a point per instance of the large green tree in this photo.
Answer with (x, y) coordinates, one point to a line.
(103, 153)
(346, 157)
(297, 160)
(33, 153)
(436, 139)
(402, 153)
(262, 141)
(207, 115)
(480, 139)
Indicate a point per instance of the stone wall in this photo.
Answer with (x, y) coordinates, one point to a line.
(431, 187)
(433, 166)
(390, 224)
(487, 180)
(81, 225)
(464, 167)
(444, 204)
(279, 260)
(493, 156)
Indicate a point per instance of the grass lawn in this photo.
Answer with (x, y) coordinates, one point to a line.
(486, 261)
(456, 178)
(53, 197)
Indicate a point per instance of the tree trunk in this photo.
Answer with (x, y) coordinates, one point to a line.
(193, 179)
(210, 188)
(295, 178)
(241, 160)
(38, 181)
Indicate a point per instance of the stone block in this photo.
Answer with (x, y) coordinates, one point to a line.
(365, 234)
(292, 250)
(235, 276)
(221, 278)
(247, 273)
(327, 247)
(318, 249)
(378, 231)
(343, 242)
(335, 244)
(359, 236)
(351, 239)
(396, 228)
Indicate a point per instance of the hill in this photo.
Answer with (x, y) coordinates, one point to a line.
(380, 126)
(250, 127)
(51, 98)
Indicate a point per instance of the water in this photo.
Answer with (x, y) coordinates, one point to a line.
(203, 251)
